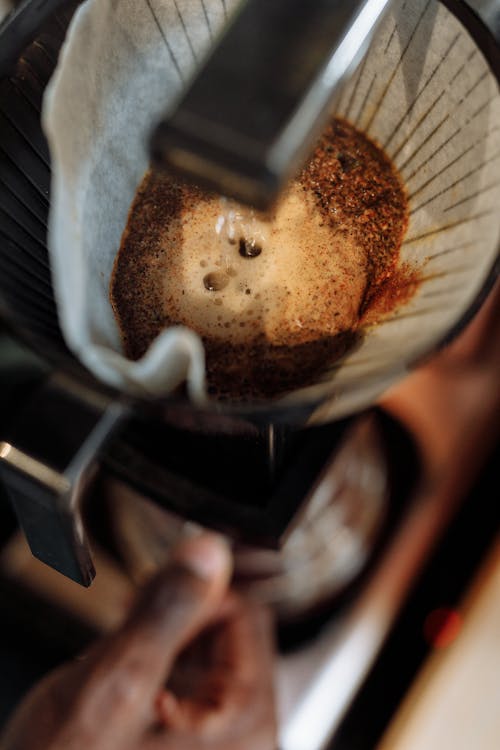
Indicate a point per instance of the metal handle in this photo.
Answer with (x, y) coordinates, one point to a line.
(47, 461)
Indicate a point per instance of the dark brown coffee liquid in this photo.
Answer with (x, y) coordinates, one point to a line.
(278, 305)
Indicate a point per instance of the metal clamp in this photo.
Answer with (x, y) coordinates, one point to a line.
(48, 460)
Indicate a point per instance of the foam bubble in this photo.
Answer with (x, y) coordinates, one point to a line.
(215, 281)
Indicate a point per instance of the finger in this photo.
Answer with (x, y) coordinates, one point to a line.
(236, 688)
(178, 601)
(477, 341)
(129, 666)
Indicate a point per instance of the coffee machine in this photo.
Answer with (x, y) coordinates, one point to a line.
(166, 450)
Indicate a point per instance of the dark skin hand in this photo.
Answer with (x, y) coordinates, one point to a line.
(190, 669)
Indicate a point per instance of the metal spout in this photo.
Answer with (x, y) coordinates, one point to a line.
(250, 118)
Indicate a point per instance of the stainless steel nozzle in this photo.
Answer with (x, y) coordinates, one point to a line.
(250, 117)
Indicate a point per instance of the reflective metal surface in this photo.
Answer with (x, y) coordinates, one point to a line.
(66, 426)
(248, 121)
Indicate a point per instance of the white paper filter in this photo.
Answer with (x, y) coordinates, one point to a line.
(424, 92)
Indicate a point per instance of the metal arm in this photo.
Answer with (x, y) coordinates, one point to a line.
(47, 462)
(250, 118)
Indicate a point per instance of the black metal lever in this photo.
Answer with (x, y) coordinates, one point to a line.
(47, 460)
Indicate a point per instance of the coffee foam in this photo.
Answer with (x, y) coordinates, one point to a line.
(305, 283)
(275, 321)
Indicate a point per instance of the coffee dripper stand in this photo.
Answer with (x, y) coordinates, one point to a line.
(57, 477)
(47, 483)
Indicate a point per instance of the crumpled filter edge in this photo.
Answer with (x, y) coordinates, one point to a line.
(177, 349)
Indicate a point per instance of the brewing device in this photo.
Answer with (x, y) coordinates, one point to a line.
(284, 478)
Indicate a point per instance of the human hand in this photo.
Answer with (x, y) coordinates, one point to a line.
(451, 405)
(190, 669)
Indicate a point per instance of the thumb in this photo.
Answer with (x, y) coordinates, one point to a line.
(170, 611)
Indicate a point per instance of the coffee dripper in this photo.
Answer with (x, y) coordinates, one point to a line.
(417, 128)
